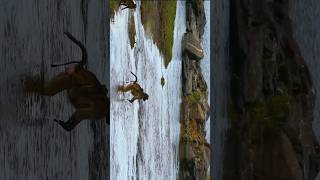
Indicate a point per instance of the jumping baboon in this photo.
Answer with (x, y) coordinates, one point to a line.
(127, 4)
(135, 89)
(85, 92)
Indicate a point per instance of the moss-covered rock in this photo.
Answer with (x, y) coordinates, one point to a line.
(131, 30)
(274, 112)
(158, 21)
(194, 150)
(114, 6)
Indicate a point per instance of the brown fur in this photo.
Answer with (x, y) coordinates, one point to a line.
(135, 89)
(85, 92)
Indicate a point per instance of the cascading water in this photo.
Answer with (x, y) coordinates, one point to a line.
(144, 136)
(205, 62)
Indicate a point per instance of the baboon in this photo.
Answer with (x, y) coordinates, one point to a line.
(85, 92)
(127, 4)
(135, 89)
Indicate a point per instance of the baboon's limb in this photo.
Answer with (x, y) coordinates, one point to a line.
(59, 83)
(87, 110)
(133, 99)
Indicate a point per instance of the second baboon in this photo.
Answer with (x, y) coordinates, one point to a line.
(135, 89)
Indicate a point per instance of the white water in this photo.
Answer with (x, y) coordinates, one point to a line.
(144, 135)
(205, 62)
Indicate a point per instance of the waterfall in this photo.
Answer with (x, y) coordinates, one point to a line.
(144, 136)
(205, 62)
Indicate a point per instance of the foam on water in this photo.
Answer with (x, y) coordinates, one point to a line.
(144, 135)
(205, 62)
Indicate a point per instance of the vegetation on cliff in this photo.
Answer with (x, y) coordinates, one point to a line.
(271, 134)
(158, 21)
(194, 151)
(113, 7)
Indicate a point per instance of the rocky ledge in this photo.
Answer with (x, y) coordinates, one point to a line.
(194, 151)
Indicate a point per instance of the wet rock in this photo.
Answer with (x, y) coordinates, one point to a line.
(277, 159)
(194, 152)
(271, 135)
(194, 155)
(132, 30)
(196, 19)
(199, 111)
(186, 151)
(187, 74)
(200, 82)
(191, 46)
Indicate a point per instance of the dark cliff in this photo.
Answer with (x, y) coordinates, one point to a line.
(272, 97)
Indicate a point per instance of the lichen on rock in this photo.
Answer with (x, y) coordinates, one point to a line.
(194, 151)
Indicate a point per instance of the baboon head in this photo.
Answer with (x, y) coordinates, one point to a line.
(145, 96)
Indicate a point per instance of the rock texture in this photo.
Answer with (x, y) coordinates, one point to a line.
(192, 46)
(271, 134)
(158, 19)
(306, 23)
(194, 151)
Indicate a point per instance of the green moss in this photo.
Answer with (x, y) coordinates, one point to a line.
(260, 111)
(202, 129)
(186, 134)
(195, 96)
(271, 113)
(113, 5)
(168, 18)
(278, 106)
(158, 21)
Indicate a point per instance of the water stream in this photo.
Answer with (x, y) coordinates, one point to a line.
(144, 135)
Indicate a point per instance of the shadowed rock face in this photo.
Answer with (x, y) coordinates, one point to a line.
(305, 23)
(271, 134)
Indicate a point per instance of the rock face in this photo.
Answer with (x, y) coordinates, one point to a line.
(192, 47)
(131, 30)
(194, 151)
(271, 134)
(158, 19)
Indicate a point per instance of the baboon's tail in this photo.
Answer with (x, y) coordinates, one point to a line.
(135, 81)
(72, 62)
(84, 59)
